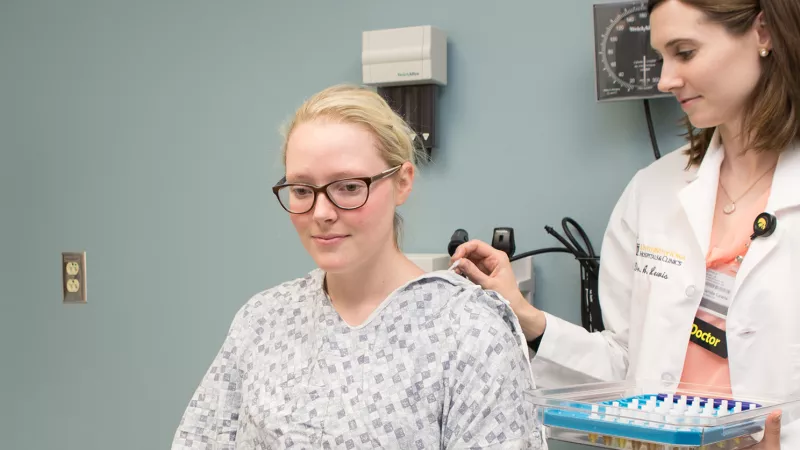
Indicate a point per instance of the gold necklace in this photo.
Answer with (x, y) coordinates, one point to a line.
(731, 207)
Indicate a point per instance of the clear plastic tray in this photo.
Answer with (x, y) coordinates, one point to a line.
(587, 414)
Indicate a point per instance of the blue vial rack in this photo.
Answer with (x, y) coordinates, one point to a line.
(653, 416)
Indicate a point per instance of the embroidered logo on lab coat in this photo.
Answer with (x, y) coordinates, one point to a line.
(659, 254)
(656, 261)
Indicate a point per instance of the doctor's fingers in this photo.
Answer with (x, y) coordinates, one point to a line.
(476, 250)
(475, 274)
(501, 279)
(772, 433)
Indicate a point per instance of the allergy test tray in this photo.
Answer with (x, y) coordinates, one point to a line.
(656, 415)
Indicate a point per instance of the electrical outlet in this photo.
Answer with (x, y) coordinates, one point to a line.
(73, 274)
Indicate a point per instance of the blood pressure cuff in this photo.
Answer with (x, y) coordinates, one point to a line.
(709, 337)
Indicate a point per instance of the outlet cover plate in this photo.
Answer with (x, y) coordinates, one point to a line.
(73, 276)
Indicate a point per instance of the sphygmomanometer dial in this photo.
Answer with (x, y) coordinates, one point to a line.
(626, 66)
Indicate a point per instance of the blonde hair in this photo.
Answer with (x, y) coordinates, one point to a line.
(361, 106)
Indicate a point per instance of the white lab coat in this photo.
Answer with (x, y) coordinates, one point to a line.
(648, 318)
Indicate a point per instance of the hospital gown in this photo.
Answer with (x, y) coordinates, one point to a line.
(440, 364)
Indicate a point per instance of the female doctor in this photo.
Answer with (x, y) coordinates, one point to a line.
(689, 293)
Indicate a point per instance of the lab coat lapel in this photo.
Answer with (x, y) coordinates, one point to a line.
(699, 197)
(785, 194)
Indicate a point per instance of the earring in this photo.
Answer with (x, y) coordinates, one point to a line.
(764, 52)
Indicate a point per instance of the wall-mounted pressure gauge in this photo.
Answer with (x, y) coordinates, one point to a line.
(626, 67)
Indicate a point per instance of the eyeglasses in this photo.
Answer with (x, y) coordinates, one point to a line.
(347, 194)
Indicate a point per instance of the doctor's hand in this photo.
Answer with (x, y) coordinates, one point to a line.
(491, 269)
(772, 433)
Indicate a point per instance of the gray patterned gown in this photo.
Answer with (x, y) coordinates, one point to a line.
(441, 364)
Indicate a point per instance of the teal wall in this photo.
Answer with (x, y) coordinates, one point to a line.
(145, 133)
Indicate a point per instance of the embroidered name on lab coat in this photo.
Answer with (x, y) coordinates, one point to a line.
(650, 270)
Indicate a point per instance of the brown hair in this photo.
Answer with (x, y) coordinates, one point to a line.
(771, 117)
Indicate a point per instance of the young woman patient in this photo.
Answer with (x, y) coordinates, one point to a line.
(367, 350)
